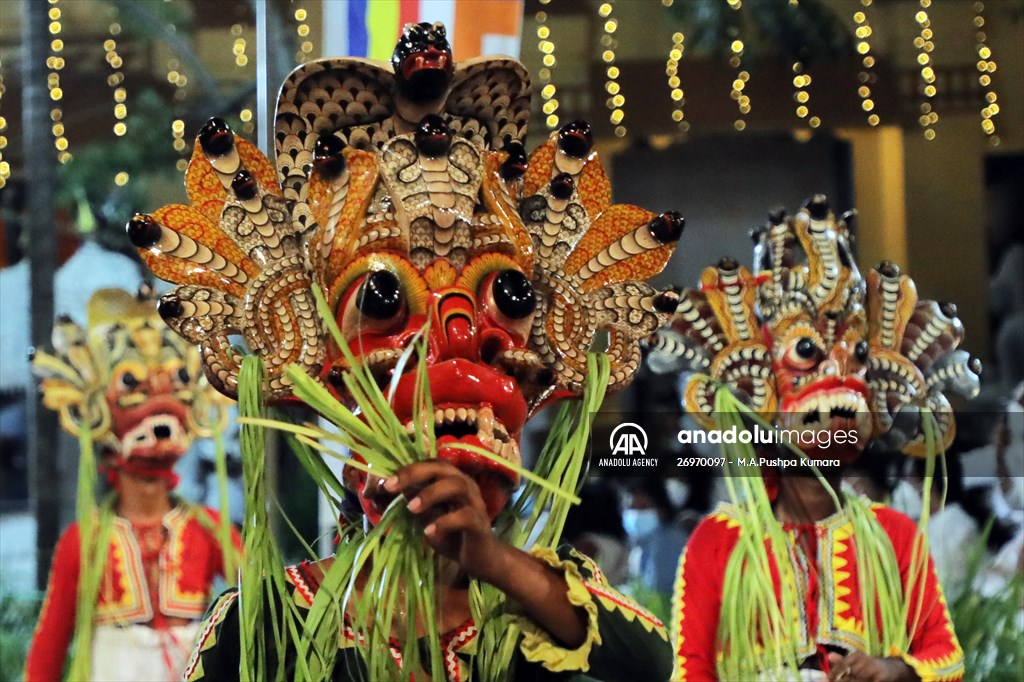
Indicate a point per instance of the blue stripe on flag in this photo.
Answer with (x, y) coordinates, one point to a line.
(358, 40)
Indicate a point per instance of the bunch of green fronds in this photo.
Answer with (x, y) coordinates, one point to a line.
(562, 461)
(383, 583)
(760, 632)
(989, 628)
(94, 540)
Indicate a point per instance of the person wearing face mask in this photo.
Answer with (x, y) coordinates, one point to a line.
(657, 541)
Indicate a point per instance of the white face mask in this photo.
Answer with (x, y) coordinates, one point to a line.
(640, 523)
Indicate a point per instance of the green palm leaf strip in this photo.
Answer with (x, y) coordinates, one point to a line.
(557, 478)
(94, 540)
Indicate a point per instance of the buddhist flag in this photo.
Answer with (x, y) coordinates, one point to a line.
(370, 28)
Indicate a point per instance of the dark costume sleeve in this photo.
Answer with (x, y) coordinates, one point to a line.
(52, 636)
(935, 653)
(217, 652)
(697, 602)
(624, 641)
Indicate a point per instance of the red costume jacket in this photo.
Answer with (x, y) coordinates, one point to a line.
(189, 560)
(830, 596)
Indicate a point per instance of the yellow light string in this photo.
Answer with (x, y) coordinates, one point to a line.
(180, 82)
(675, 55)
(923, 42)
(802, 97)
(116, 83)
(616, 100)
(238, 46)
(986, 67)
(5, 167)
(740, 82)
(302, 30)
(55, 62)
(178, 133)
(241, 61)
(867, 76)
(548, 92)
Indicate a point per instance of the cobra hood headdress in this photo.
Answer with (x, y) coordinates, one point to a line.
(517, 264)
(124, 378)
(811, 344)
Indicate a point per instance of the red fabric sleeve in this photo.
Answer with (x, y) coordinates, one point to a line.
(697, 602)
(216, 557)
(935, 653)
(53, 633)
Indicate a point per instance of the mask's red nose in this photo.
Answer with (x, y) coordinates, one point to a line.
(453, 332)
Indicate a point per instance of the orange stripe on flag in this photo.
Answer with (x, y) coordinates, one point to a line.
(503, 17)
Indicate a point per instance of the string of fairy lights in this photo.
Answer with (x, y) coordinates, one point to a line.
(615, 97)
(55, 63)
(616, 100)
(923, 42)
(177, 78)
(675, 55)
(986, 67)
(742, 76)
(548, 91)
(238, 49)
(302, 30)
(802, 96)
(801, 83)
(866, 77)
(116, 82)
(5, 166)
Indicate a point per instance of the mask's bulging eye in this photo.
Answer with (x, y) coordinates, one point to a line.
(806, 349)
(860, 352)
(380, 295)
(513, 294)
(129, 381)
(183, 375)
(803, 353)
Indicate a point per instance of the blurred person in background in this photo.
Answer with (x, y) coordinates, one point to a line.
(952, 532)
(594, 527)
(657, 541)
(133, 576)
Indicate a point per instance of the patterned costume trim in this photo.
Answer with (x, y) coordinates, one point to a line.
(537, 644)
(208, 636)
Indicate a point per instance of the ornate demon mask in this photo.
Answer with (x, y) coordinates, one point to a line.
(516, 264)
(134, 385)
(809, 344)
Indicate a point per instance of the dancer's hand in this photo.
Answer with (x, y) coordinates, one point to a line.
(455, 518)
(859, 667)
(457, 526)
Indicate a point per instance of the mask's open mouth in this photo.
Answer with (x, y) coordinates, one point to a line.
(825, 408)
(462, 424)
(430, 58)
(475, 426)
(156, 442)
